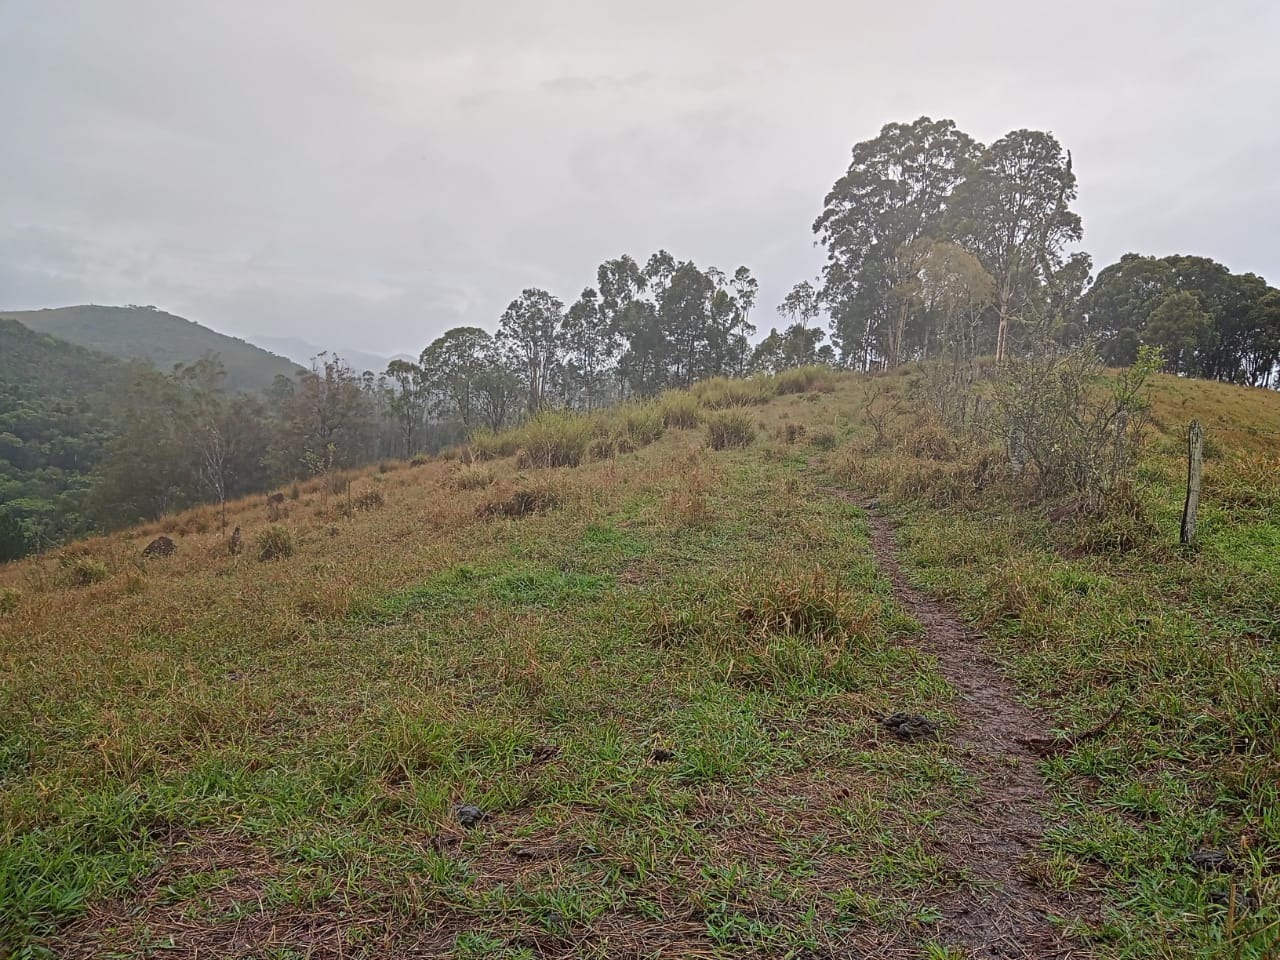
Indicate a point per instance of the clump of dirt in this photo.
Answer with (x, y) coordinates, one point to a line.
(470, 816)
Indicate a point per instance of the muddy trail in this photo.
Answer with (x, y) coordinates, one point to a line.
(1004, 914)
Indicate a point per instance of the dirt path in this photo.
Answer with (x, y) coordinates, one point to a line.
(1007, 915)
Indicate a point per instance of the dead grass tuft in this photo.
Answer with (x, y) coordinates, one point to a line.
(520, 501)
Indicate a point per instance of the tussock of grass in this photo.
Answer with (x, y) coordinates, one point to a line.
(730, 429)
(720, 393)
(639, 424)
(473, 477)
(805, 380)
(555, 439)
(521, 500)
(83, 571)
(274, 543)
(679, 410)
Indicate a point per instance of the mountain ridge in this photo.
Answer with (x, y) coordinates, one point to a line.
(161, 338)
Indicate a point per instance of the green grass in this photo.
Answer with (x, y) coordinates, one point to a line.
(520, 671)
(661, 687)
(1180, 646)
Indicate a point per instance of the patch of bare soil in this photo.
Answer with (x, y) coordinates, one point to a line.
(1006, 914)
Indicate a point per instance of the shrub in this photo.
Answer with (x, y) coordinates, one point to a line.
(83, 571)
(420, 460)
(679, 410)
(273, 543)
(1070, 432)
(805, 380)
(473, 477)
(9, 597)
(730, 429)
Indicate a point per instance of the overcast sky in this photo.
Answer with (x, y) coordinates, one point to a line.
(367, 175)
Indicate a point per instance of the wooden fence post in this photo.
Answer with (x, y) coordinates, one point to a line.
(1195, 467)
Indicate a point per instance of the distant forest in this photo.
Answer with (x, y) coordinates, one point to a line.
(938, 247)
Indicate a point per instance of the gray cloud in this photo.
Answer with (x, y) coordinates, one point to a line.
(370, 175)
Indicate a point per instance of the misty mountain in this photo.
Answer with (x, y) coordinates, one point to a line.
(145, 333)
(301, 351)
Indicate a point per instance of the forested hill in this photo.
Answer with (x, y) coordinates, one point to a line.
(144, 333)
(56, 417)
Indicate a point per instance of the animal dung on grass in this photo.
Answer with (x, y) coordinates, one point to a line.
(911, 726)
(160, 547)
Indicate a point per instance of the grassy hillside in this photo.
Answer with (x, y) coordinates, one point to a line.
(56, 415)
(144, 333)
(634, 704)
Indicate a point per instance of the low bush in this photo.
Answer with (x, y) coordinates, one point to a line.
(274, 543)
(730, 429)
(420, 460)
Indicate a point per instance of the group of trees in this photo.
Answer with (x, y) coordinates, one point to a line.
(639, 330)
(939, 244)
(1207, 321)
(182, 438)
